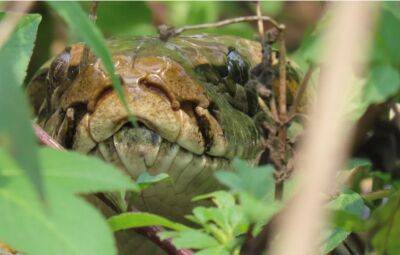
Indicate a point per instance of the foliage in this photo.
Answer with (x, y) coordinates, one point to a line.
(16, 133)
(65, 224)
(41, 204)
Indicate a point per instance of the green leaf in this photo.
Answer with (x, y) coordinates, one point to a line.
(257, 181)
(142, 219)
(386, 47)
(16, 133)
(383, 82)
(185, 13)
(125, 18)
(219, 250)
(271, 8)
(79, 22)
(69, 226)
(385, 240)
(145, 180)
(222, 199)
(74, 172)
(191, 239)
(349, 202)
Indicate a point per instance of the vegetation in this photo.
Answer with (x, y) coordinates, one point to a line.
(42, 205)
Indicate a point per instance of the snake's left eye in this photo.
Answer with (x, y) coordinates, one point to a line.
(238, 68)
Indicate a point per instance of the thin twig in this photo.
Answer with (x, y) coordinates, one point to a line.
(260, 21)
(301, 90)
(167, 32)
(45, 139)
(282, 75)
(93, 11)
(282, 132)
(14, 13)
(152, 233)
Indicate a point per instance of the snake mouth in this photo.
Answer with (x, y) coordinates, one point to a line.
(138, 150)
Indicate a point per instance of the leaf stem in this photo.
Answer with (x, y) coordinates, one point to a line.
(375, 195)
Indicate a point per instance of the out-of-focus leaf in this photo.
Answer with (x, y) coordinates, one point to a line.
(145, 180)
(142, 219)
(125, 18)
(383, 82)
(73, 172)
(271, 8)
(386, 47)
(219, 250)
(16, 133)
(257, 181)
(358, 162)
(69, 225)
(188, 13)
(191, 239)
(387, 223)
(349, 202)
(79, 22)
(348, 221)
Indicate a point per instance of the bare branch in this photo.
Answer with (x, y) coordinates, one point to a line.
(326, 145)
(167, 32)
(152, 233)
(260, 21)
(282, 75)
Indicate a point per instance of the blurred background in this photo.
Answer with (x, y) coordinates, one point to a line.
(141, 18)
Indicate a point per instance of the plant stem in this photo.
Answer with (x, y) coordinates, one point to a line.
(375, 195)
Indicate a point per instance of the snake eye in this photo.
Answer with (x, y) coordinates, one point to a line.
(238, 68)
(59, 67)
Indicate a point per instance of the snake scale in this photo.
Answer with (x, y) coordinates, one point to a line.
(190, 96)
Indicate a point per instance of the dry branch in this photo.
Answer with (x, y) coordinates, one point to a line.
(326, 143)
(260, 23)
(167, 32)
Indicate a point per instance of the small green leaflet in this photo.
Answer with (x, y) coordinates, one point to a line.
(258, 181)
(193, 239)
(145, 180)
(142, 219)
(79, 22)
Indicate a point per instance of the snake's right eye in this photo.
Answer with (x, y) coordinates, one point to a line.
(59, 67)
